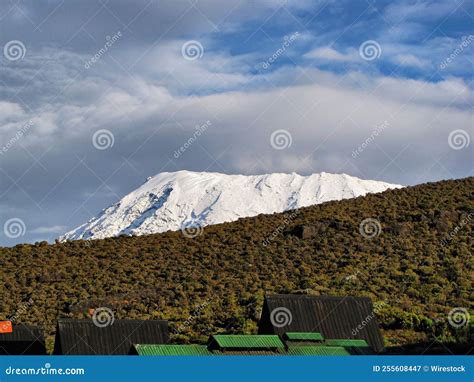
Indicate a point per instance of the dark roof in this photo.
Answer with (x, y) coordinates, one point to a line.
(23, 340)
(333, 317)
(83, 337)
(195, 350)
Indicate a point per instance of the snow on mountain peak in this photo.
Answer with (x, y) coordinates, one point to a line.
(172, 200)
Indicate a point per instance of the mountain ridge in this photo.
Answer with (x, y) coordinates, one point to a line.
(171, 201)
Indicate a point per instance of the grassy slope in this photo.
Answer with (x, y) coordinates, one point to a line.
(216, 281)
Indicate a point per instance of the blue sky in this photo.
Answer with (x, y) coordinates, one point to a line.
(376, 89)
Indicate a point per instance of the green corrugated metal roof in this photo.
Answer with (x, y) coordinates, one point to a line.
(248, 341)
(247, 352)
(354, 346)
(303, 336)
(253, 345)
(347, 342)
(172, 350)
(317, 350)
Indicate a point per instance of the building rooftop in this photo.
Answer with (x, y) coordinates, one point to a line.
(334, 317)
(228, 342)
(192, 350)
(317, 350)
(21, 340)
(304, 336)
(83, 337)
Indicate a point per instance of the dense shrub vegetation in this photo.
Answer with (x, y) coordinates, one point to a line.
(417, 269)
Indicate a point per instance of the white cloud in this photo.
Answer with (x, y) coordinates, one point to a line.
(420, 10)
(310, 105)
(49, 229)
(214, 71)
(10, 111)
(330, 54)
(410, 60)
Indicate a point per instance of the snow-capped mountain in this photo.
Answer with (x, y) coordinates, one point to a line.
(173, 200)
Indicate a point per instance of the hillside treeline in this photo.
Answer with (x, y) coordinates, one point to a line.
(414, 259)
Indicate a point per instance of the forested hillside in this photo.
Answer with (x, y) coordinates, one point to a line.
(414, 259)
